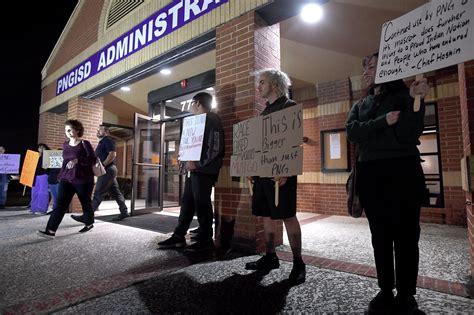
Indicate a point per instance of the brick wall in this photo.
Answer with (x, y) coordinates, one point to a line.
(466, 91)
(242, 46)
(51, 129)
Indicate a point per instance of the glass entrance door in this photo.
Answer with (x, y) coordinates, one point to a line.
(146, 166)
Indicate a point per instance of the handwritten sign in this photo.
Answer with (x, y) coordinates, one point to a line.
(437, 34)
(9, 163)
(28, 170)
(246, 147)
(52, 159)
(269, 146)
(191, 138)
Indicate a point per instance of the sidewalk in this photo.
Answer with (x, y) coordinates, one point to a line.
(115, 268)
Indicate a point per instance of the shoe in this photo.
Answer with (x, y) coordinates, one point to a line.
(173, 242)
(46, 234)
(405, 304)
(297, 274)
(194, 231)
(86, 229)
(266, 262)
(121, 216)
(200, 245)
(381, 303)
(77, 218)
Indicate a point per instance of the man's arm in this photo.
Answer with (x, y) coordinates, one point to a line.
(110, 158)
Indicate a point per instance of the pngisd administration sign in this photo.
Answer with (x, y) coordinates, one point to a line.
(168, 19)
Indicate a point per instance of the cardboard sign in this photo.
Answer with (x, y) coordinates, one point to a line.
(28, 170)
(9, 163)
(246, 147)
(278, 153)
(191, 138)
(52, 159)
(436, 35)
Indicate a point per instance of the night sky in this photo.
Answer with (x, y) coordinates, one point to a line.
(26, 43)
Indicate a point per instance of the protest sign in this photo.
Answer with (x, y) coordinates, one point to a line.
(52, 159)
(28, 170)
(191, 138)
(9, 163)
(269, 146)
(246, 147)
(437, 34)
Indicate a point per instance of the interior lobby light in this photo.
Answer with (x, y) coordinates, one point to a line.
(169, 101)
(311, 13)
(125, 89)
(165, 71)
(210, 88)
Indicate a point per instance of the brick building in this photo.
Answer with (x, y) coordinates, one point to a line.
(108, 45)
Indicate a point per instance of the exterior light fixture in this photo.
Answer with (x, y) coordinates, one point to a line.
(311, 13)
(210, 89)
(165, 71)
(125, 89)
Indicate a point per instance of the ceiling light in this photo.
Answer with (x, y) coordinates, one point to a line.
(311, 13)
(210, 88)
(165, 71)
(168, 101)
(125, 89)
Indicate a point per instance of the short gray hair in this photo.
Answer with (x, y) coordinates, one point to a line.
(277, 78)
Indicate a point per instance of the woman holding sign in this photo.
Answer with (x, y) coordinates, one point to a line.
(39, 191)
(75, 177)
(386, 128)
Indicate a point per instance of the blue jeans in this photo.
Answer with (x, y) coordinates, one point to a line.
(3, 193)
(53, 188)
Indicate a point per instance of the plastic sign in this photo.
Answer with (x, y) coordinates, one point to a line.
(9, 163)
(27, 176)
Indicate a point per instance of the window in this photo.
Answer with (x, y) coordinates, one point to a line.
(430, 153)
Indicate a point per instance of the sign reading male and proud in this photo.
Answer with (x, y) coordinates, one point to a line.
(269, 146)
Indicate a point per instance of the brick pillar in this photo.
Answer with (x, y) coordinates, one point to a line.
(466, 93)
(89, 113)
(243, 45)
(51, 129)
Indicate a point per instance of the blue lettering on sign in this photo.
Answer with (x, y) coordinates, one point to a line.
(161, 23)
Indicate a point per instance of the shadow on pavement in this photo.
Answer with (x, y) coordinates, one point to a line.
(237, 294)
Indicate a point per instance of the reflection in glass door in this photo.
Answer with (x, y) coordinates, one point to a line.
(172, 179)
(146, 165)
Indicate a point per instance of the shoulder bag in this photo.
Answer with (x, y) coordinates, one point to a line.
(97, 168)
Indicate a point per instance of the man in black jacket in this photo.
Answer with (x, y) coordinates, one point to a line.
(202, 175)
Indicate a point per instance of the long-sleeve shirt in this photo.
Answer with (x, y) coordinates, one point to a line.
(367, 126)
(81, 173)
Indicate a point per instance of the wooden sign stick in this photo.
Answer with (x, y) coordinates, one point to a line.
(24, 190)
(277, 190)
(250, 187)
(417, 102)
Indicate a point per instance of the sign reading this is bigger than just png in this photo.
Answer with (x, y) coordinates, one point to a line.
(168, 19)
(270, 145)
(437, 34)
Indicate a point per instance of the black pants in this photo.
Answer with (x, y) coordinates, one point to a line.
(65, 193)
(391, 193)
(196, 198)
(108, 183)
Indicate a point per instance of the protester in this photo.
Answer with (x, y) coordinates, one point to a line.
(39, 191)
(198, 185)
(53, 184)
(273, 86)
(391, 184)
(75, 177)
(107, 183)
(4, 179)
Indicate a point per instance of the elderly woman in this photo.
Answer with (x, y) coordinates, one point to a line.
(386, 128)
(75, 177)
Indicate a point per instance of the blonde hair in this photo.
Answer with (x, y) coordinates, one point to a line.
(277, 78)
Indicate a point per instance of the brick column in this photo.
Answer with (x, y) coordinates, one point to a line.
(51, 129)
(466, 93)
(243, 45)
(89, 113)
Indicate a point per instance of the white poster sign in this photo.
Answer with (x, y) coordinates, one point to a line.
(270, 145)
(52, 159)
(192, 137)
(437, 34)
(9, 163)
(334, 146)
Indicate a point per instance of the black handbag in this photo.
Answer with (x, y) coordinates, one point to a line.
(354, 207)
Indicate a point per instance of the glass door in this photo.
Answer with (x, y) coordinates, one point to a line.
(146, 166)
